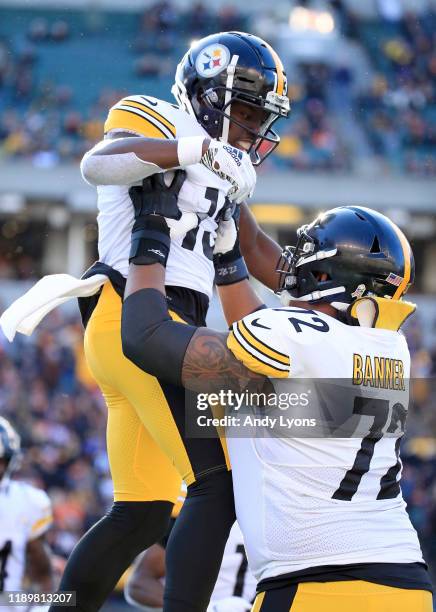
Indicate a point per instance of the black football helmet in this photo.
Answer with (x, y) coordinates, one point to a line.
(227, 67)
(344, 254)
(9, 447)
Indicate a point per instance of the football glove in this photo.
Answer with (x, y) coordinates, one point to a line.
(226, 236)
(232, 165)
(229, 264)
(157, 218)
(229, 604)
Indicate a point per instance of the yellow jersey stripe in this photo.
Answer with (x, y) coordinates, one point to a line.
(407, 263)
(146, 117)
(41, 523)
(261, 346)
(125, 119)
(138, 111)
(253, 362)
(280, 88)
(150, 111)
(258, 602)
(263, 357)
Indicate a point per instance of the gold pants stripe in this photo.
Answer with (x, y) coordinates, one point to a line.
(347, 596)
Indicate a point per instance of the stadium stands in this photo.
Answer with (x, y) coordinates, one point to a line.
(61, 70)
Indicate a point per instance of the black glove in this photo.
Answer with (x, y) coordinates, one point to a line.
(152, 202)
(230, 267)
(155, 198)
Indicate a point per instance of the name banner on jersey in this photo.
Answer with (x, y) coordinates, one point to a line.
(301, 408)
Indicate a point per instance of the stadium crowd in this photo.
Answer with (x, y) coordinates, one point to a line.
(48, 394)
(44, 120)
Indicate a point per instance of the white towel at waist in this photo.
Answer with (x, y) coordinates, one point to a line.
(51, 291)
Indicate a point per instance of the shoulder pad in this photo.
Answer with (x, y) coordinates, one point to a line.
(143, 115)
(40, 511)
(258, 341)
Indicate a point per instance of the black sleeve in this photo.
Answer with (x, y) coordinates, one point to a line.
(151, 339)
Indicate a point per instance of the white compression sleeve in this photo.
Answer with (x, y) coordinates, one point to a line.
(115, 169)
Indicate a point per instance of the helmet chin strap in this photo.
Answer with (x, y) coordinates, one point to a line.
(231, 68)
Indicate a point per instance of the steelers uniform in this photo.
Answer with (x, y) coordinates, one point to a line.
(330, 531)
(147, 450)
(235, 578)
(25, 514)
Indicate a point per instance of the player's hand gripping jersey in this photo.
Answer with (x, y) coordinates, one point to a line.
(336, 500)
(203, 192)
(25, 514)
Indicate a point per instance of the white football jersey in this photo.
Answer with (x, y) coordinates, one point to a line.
(235, 578)
(25, 514)
(190, 261)
(323, 500)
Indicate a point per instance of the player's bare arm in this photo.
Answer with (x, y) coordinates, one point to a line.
(145, 585)
(238, 300)
(163, 153)
(241, 247)
(128, 160)
(261, 253)
(208, 365)
(38, 564)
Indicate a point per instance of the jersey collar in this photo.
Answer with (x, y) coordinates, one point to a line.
(381, 313)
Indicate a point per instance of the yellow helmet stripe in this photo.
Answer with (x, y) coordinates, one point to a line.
(407, 263)
(280, 87)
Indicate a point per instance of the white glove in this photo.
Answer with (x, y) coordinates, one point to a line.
(226, 236)
(229, 604)
(232, 165)
(187, 221)
(227, 162)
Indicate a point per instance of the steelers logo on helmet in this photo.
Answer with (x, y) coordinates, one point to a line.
(212, 60)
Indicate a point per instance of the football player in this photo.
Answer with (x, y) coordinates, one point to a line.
(323, 518)
(25, 517)
(230, 89)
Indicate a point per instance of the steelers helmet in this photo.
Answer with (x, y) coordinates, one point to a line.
(227, 67)
(344, 254)
(9, 447)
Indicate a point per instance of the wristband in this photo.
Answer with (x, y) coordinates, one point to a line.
(190, 150)
(150, 241)
(228, 273)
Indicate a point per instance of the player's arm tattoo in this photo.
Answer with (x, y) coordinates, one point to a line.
(209, 366)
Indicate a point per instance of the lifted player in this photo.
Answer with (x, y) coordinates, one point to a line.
(230, 89)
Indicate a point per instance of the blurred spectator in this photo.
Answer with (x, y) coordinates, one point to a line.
(38, 30)
(199, 20)
(230, 19)
(5, 61)
(59, 31)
